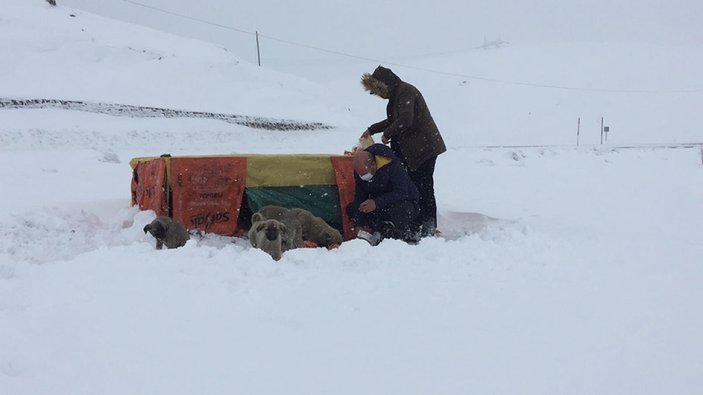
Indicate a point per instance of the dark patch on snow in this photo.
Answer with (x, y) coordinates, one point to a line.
(125, 110)
(110, 157)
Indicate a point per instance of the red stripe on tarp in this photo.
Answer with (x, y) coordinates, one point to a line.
(207, 192)
(344, 174)
(149, 186)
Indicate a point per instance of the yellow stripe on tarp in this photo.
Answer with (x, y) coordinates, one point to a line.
(275, 170)
(289, 170)
(134, 161)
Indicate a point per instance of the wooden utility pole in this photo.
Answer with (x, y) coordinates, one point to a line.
(578, 131)
(258, 52)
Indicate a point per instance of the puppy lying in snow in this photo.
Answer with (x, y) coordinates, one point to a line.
(314, 228)
(167, 232)
(273, 236)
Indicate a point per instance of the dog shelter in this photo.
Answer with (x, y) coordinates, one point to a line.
(218, 194)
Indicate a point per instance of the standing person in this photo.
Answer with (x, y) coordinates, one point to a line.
(385, 199)
(413, 135)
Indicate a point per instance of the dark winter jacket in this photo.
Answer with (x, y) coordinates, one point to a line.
(409, 125)
(390, 184)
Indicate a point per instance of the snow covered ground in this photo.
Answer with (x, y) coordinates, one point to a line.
(580, 271)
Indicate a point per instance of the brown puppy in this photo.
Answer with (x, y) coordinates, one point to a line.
(167, 232)
(314, 228)
(273, 236)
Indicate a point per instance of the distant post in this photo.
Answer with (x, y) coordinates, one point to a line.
(258, 52)
(578, 131)
(601, 130)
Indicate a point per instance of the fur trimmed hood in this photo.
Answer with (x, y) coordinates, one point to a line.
(381, 83)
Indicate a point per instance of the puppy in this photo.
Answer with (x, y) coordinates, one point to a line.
(167, 232)
(273, 236)
(314, 228)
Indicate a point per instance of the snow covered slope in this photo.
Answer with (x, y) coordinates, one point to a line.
(63, 53)
(579, 271)
(635, 63)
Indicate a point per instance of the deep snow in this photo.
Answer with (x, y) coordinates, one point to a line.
(579, 272)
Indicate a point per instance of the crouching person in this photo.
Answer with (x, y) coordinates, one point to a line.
(386, 200)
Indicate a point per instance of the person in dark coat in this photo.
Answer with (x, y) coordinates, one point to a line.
(413, 135)
(386, 199)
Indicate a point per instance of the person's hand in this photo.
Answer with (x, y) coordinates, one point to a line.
(367, 206)
(366, 134)
(385, 140)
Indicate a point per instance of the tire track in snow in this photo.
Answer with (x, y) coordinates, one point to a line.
(126, 110)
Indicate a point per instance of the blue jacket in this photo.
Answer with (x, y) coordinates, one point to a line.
(390, 184)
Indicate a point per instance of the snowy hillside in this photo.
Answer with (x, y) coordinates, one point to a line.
(63, 53)
(575, 269)
(635, 63)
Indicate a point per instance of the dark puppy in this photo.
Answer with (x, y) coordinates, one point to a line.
(167, 232)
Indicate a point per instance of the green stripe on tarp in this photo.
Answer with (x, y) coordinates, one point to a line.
(320, 200)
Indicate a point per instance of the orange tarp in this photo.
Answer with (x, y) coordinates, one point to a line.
(344, 173)
(149, 188)
(207, 192)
